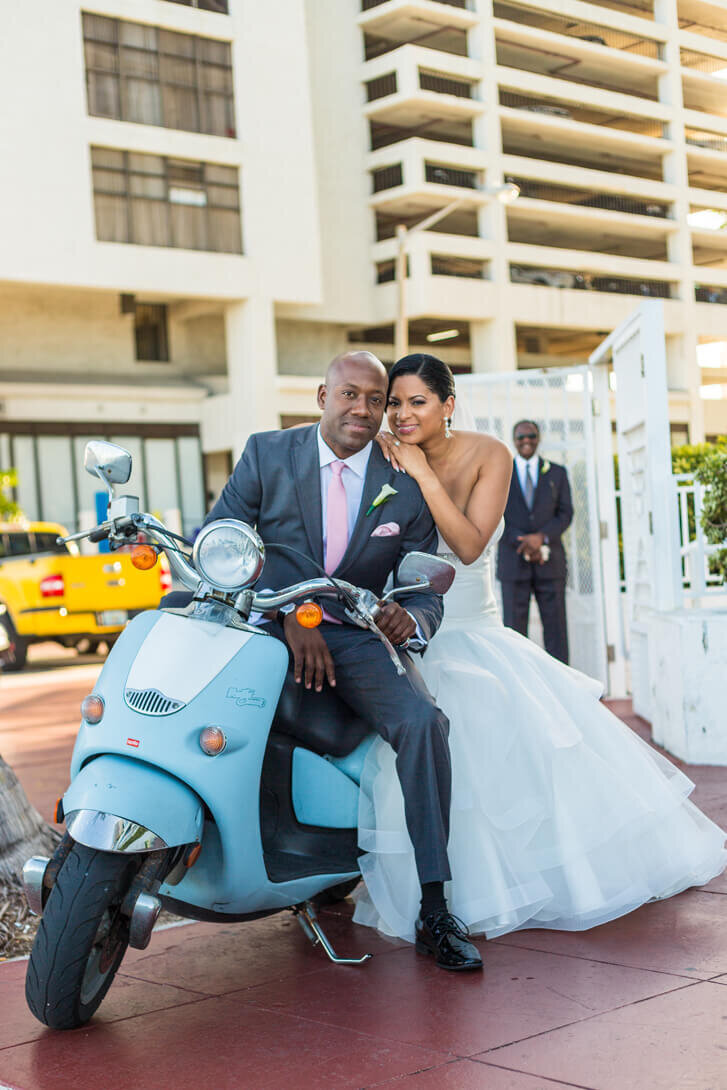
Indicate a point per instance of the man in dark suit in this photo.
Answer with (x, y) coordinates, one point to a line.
(316, 489)
(531, 558)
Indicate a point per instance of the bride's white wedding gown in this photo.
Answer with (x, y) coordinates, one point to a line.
(561, 816)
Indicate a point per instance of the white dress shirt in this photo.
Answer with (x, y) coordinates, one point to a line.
(525, 465)
(353, 477)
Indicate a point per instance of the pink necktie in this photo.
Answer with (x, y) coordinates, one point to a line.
(336, 519)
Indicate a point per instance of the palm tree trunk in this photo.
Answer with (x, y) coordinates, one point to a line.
(22, 830)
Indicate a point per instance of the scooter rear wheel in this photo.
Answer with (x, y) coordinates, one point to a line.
(81, 940)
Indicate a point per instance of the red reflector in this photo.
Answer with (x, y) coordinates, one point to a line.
(133, 742)
(165, 576)
(52, 586)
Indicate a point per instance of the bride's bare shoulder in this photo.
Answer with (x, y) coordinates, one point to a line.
(487, 450)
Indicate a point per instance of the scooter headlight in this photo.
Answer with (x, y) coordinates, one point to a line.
(229, 554)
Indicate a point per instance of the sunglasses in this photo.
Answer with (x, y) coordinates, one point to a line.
(526, 435)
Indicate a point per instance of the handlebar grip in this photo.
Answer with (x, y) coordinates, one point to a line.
(100, 534)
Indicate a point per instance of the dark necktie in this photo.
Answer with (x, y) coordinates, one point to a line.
(529, 488)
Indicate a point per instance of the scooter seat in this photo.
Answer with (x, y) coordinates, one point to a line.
(320, 721)
(352, 764)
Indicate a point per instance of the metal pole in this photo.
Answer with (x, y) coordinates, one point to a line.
(401, 326)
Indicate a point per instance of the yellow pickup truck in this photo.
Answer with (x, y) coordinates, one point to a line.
(51, 592)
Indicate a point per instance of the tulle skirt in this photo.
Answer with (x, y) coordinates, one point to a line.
(561, 816)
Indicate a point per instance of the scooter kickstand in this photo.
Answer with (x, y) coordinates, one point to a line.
(306, 916)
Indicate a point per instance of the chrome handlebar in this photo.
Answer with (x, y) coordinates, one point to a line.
(365, 602)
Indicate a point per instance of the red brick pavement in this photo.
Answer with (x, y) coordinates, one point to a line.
(638, 1003)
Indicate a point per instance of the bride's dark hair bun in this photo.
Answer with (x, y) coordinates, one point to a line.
(432, 371)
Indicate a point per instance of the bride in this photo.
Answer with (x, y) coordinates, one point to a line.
(561, 816)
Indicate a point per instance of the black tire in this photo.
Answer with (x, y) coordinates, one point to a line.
(16, 656)
(88, 646)
(81, 940)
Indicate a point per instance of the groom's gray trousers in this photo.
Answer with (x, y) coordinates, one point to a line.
(403, 712)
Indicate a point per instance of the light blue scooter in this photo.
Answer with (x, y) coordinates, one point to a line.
(188, 787)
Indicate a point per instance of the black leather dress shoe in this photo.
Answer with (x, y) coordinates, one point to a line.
(447, 939)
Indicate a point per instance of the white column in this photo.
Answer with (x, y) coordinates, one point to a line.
(493, 341)
(251, 369)
(492, 344)
(683, 369)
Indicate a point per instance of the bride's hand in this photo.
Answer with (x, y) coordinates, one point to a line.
(386, 441)
(407, 456)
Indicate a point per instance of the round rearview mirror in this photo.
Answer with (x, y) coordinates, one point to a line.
(432, 572)
(107, 461)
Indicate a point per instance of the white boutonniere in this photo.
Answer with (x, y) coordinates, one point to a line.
(385, 494)
(545, 466)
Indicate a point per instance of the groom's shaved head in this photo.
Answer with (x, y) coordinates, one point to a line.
(358, 360)
(352, 400)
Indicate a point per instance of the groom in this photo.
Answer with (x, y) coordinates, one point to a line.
(314, 489)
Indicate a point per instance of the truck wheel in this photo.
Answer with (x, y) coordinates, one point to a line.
(81, 940)
(16, 656)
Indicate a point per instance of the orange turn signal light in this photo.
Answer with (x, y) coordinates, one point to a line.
(143, 557)
(212, 740)
(309, 614)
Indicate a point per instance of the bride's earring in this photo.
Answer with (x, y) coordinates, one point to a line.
(447, 427)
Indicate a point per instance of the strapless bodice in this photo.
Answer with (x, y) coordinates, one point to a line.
(472, 595)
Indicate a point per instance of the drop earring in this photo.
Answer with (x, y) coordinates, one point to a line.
(447, 427)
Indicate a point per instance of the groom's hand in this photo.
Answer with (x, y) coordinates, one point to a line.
(311, 658)
(396, 623)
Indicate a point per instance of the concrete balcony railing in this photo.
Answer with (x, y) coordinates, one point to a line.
(448, 275)
(577, 199)
(574, 60)
(704, 140)
(410, 84)
(570, 106)
(607, 183)
(425, 169)
(599, 267)
(421, 92)
(366, 5)
(613, 30)
(535, 128)
(438, 25)
(704, 74)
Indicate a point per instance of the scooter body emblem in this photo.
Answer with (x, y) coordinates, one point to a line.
(245, 698)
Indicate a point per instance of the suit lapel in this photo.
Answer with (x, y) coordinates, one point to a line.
(378, 473)
(307, 480)
(537, 492)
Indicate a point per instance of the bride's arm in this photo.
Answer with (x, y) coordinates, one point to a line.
(468, 532)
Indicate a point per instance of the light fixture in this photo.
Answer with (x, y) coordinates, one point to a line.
(442, 335)
(505, 193)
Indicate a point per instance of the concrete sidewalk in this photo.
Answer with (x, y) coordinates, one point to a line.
(638, 1004)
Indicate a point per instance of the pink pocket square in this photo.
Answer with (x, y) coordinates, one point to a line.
(387, 529)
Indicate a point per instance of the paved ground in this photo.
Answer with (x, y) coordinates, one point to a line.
(639, 1004)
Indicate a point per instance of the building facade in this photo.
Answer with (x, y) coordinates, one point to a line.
(201, 201)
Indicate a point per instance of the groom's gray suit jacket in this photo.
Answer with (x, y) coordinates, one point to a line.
(275, 486)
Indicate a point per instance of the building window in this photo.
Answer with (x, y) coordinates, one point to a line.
(150, 332)
(207, 5)
(157, 77)
(155, 201)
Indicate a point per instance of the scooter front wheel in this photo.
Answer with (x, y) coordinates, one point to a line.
(81, 940)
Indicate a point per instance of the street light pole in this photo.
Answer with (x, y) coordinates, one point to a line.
(505, 193)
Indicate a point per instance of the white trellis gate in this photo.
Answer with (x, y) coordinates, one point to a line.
(637, 350)
(570, 407)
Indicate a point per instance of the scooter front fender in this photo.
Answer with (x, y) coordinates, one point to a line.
(116, 804)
